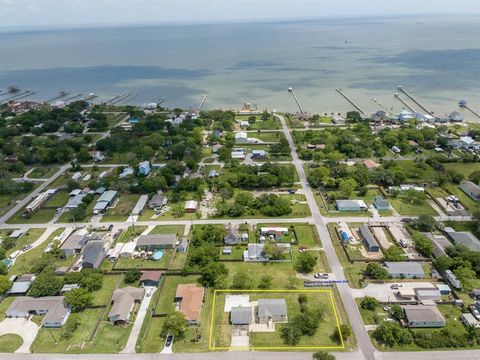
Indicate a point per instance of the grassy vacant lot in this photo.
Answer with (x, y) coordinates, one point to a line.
(265, 136)
(23, 262)
(318, 299)
(43, 172)
(122, 209)
(368, 316)
(463, 168)
(417, 171)
(408, 209)
(270, 124)
(10, 342)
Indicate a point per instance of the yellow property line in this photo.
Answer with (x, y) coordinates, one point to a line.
(337, 320)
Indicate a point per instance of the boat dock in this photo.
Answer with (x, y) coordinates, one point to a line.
(18, 96)
(397, 96)
(60, 95)
(400, 88)
(351, 101)
(290, 90)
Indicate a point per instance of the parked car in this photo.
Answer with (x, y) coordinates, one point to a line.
(58, 210)
(302, 248)
(396, 286)
(169, 341)
(110, 227)
(403, 243)
(320, 276)
(27, 247)
(474, 312)
(407, 220)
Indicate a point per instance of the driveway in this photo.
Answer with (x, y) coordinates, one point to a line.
(383, 292)
(23, 327)
(137, 326)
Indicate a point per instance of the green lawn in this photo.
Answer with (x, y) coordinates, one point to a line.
(103, 295)
(43, 172)
(23, 262)
(417, 171)
(169, 229)
(10, 342)
(267, 136)
(4, 305)
(318, 299)
(463, 168)
(368, 316)
(408, 209)
(122, 209)
(131, 233)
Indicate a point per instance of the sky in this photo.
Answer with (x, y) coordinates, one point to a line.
(52, 13)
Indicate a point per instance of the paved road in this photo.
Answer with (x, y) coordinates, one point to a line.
(363, 340)
(22, 203)
(137, 326)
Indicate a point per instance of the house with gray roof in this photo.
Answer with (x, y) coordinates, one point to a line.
(157, 201)
(233, 237)
(105, 200)
(404, 269)
(124, 300)
(271, 310)
(369, 239)
(241, 315)
(381, 203)
(423, 316)
(350, 205)
(152, 242)
(93, 254)
(465, 238)
(254, 252)
(55, 310)
(471, 189)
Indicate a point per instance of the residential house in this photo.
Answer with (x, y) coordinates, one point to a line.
(76, 241)
(428, 294)
(68, 287)
(114, 252)
(190, 300)
(126, 172)
(404, 270)
(182, 245)
(338, 120)
(271, 310)
(158, 201)
(75, 199)
(241, 137)
(152, 242)
(471, 189)
(274, 233)
(138, 209)
(55, 310)
(105, 200)
(39, 201)
(150, 278)
(124, 300)
(93, 254)
(144, 168)
(259, 154)
(456, 116)
(469, 320)
(381, 203)
(238, 153)
(233, 237)
(351, 205)
(191, 206)
(369, 239)
(452, 279)
(241, 315)
(128, 249)
(465, 238)
(254, 253)
(370, 164)
(423, 316)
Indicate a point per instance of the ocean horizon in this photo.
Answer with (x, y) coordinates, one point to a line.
(434, 58)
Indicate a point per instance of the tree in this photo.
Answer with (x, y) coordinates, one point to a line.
(305, 262)
(272, 251)
(213, 275)
(344, 330)
(425, 223)
(317, 176)
(78, 299)
(369, 303)
(466, 277)
(241, 280)
(45, 284)
(394, 253)
(265, 282)
(353, 117)
(291, 334)
(70, 326)
(423, 245)
(346, 186)
(132, 276)
(92, 280)
(3, 269)
(323, 355)
(391, 334)
(397, 312)
(5, 285)
(175, 324)
(375, 271)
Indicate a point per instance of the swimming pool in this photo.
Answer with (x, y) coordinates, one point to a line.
(158, 255)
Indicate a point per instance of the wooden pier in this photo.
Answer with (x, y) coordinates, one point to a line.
(400, 88)
(351, 101)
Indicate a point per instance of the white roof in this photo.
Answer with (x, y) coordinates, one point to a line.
(241, 134)
(467, 140)
(232, 301)
(128, 247)
(191, 204)
(279, 229)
